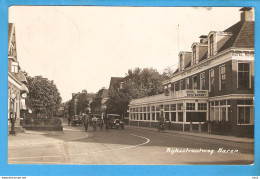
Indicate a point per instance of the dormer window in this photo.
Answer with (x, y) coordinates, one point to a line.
(194, 54)
(211, 45)
(14, 67)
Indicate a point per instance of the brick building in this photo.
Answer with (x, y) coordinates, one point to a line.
(214, 84)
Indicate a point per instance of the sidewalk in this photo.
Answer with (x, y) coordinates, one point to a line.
(201, 134)
(30, 138)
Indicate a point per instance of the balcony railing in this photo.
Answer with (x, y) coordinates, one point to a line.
(171, 95)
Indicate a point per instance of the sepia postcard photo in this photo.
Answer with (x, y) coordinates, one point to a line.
(96, 85)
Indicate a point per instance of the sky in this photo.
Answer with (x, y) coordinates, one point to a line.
(82, 47)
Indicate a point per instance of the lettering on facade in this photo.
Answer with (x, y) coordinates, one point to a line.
(196, 93)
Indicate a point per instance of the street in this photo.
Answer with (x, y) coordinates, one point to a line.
(122, 147)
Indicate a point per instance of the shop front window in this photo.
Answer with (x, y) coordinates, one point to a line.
(190, 106)
(173, 116)
(180, 116)
(167, 116)
(173, 107)
(202, 106)
(180, 106)
(157, 116)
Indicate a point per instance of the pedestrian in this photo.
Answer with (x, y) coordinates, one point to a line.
(69, 120)
(12, 120)
(101, 122)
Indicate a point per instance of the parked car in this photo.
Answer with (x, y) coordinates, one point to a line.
(114, 121)
(76, 120)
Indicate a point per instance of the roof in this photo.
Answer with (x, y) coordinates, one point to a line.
(10, 25)
(91, 95)
(242, 36)
(114, 83)
(104, 93)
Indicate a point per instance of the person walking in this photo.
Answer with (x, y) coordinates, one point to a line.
(69, 120)
(101, 122)
(12, 120)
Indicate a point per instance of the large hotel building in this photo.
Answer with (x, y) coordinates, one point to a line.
(213, 86)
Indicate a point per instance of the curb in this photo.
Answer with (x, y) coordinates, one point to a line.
(190, 134)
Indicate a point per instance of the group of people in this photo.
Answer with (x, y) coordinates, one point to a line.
(87, 120)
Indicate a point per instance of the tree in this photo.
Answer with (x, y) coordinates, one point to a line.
(138, 83)
(82, 102)
(44, 97)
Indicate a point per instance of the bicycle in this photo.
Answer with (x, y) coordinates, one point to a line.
(161, 128)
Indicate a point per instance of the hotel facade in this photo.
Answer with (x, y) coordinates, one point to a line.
(213, 88)
(17, 89)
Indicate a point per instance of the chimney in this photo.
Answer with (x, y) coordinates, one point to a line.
(246, 14)
(203, 39)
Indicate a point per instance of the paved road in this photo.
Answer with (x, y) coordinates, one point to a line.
(128, 146)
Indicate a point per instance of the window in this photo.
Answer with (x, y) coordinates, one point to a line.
(167, 116)
(245, 102)
(194, 54)
(157, 116)
(180, 116)
(181, 63)
(211, 80)
(166, 107)
(211, 45)
(173, 107)
(202, 81)
(153, 116)
(14, 67)
(148, 116)
(222, 70)
(194, 82)
(190, 106)
(202, 106)
(187, 83)
(245, 115)
(223, 114)
(243, 75)
(180, 106)
(220, 110)
(173, 116)
(181, 85)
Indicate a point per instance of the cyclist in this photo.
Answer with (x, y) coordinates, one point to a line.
(161, 123)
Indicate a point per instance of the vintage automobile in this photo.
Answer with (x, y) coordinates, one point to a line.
(76, 120)
(114, 121)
